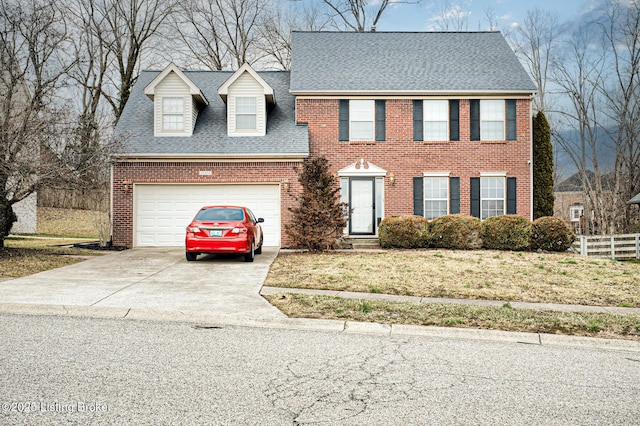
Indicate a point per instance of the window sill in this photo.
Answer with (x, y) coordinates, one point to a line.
(499, 142)
(436, 142)
(363, 142)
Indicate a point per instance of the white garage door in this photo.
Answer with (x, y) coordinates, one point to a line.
(163, 211)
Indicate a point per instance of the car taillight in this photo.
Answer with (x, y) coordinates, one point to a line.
(193, 229)
(238, 230)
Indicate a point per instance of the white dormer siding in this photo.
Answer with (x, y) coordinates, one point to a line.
(172, 86)
(245, 86)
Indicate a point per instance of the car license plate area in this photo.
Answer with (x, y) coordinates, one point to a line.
(215, 233)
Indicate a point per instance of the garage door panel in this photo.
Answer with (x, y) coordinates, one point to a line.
(162, 211)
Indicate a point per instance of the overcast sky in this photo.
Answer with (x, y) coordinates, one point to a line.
(420, 17)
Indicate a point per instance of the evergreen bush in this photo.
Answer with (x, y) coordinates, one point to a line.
(404, 232)
(551, 234)
(506, 232)
(456, 232)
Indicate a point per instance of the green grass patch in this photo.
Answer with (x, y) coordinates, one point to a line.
(607, 325)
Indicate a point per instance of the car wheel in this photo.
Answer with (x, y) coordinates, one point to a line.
(259, 249)
(252, 253)
(191, 256)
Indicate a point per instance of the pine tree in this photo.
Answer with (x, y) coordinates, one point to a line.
(542, 167)
(319, 218)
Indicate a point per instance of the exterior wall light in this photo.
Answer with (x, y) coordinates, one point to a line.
(285, 184)
(392, 179)
(127, 185)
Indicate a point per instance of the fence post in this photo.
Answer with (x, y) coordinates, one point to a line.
(637, 246)
(583, 245)
(613, 247)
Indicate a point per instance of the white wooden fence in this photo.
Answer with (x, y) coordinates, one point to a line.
(625, 246)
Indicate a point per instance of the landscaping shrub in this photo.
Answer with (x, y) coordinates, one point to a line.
(456, 232)
(507, 232)
(404, 232)
(551, 234)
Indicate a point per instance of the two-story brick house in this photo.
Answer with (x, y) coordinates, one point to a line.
(412, 123)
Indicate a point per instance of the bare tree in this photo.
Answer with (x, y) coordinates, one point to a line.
(355, 15)
(579, 75)
(448, 17)
(621, 30)
(535, 42)
(127, 27)
(276, 27)
(33, 40)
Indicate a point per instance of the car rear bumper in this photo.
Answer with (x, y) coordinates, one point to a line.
(217, 245)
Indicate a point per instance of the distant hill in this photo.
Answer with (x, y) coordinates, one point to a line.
(605, 153)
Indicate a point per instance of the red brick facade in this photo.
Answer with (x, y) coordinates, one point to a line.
(398, 154)
(401, 155)
(130, 173)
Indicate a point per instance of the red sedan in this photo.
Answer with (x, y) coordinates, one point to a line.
(224, 229)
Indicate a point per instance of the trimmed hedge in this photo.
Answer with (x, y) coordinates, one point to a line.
(507, 232)
(551, 234)
(456, 232)
(404, 232)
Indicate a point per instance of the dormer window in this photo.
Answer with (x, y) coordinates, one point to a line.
(172, 114)
(246, 113)
(248, 98)
(176, 102)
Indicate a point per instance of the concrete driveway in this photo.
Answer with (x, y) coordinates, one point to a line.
(145, 282)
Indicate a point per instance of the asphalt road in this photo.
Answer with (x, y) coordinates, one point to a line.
(64, 370)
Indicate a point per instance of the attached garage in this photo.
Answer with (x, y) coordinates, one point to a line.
(163, 211)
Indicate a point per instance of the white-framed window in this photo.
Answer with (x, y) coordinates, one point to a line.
(436, 120)
(436, 196)
(492, 196)
(246, 113)
(173, 114)
(492, 117)
(362, 120)
(575, 212)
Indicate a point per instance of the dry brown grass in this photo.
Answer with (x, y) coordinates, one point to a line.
(69, 222)
(457, 315)
(482, 274)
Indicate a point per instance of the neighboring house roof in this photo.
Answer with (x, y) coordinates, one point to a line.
(635, 200)
(574, 182)
(283, 137)
(405, 63)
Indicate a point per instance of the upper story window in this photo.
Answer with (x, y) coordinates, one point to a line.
(491, 120)
(436, 120)
(576, 212)
(172, 113)
(492, 196)
(246, 113)
(361, 120)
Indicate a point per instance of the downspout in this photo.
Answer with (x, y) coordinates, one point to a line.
(531, 156)
(111, 204)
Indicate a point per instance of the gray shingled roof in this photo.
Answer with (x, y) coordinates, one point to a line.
(405, 61)
(210, 134)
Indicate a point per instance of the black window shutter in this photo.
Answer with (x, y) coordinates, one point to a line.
(511, 196)
(418, 196)
(454, 120)
(475, 119)
(511, 119)
(380, 120)
(418, 123)
(475, 197)
(454, 195)
(343, 117)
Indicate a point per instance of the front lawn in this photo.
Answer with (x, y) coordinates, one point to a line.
(482, 274)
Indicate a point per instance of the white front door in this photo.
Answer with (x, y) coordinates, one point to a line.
(363, 206)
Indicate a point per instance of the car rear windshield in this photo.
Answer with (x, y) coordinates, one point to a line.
(220, 214)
